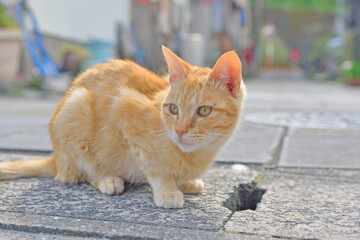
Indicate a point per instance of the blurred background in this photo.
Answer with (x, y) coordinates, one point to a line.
(45, 44)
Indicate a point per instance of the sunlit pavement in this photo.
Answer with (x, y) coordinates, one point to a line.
(298, 143)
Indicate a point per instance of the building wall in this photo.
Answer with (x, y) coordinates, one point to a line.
(82, 20)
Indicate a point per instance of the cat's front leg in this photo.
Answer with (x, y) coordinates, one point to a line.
(192, 186)
(109, 185)
(166, 191)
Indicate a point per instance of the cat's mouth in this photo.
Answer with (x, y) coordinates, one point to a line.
(186, 145)
(183, 141)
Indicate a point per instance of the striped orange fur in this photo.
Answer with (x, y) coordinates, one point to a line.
(115, 124)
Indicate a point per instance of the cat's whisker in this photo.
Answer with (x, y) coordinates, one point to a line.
(219, 135)
(162, 134)
(163, 137)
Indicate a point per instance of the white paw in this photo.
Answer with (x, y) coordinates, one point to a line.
(111, 185)
(169, 199)
(192, 186)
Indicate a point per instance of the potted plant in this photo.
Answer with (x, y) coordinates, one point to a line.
(10, 45)
(353, 74)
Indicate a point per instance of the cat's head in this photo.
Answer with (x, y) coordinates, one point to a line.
(203, 106)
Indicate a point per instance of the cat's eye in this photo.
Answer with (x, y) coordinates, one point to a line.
(204, 111)
(173, 109)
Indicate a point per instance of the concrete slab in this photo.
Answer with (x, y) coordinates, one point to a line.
(308, 119)
(298, 206)
(273, 93)
(252, 143)
(324, 148)
(340, 174)
(27, 106)
(14, 124)
(204, 211)
(322, 133)
(79, 228)
(18, 235)
(24, 123)
(36, 138)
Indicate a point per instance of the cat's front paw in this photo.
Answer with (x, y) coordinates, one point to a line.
(111, 185)
(169, 199)
(192, 186)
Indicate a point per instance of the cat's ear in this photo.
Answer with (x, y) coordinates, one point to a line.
(177, 67)
(227, 70)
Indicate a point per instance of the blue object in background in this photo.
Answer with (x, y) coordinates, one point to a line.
(35, 45)
(242, 16)
(140, 53)
(100, 51)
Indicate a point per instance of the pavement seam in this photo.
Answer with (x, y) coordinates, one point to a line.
(64, 232)
(276, 152)
(61, 231)
(226, 220)
(274, 236)
(24, 151)
(271, 164)
(111, 221)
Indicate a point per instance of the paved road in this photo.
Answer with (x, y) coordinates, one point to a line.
(297, 150)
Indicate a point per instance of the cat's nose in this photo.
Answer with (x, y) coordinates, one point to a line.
(180, 132)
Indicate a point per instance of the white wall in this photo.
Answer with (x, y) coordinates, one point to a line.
(81, 20)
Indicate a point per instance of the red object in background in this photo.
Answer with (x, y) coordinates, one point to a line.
(295, 55)
(248, 56)
(354, 82)
(142, 1)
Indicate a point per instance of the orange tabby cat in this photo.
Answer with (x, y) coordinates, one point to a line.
(120, 122)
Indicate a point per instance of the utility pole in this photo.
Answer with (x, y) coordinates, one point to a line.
(339, 23)
(258, 21)
(355, 26)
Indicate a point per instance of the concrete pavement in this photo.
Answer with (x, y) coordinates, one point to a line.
(297, 150)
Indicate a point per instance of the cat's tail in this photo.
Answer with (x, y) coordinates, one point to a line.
(29, 168)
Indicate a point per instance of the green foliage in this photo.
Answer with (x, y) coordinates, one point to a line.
(320, 51)
(320, 56)
(5, 20)
(352, 76)
(302, 5)
(281, 52)
(80, 51)
(36, 82)
(354, 71)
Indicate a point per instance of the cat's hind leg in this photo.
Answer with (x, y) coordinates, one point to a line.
(67, 172)
(109, 185)
(192, 186)
(71, 129)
